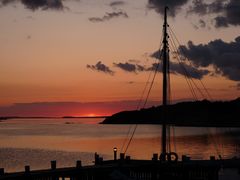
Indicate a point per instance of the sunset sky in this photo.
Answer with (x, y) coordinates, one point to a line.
(93, 57)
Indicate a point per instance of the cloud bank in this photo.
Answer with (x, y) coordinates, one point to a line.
(182, 69)
(37, 4)
(227, 11)
(59, 109)
(174, 6)
(134, 66)
(108, 16)
(116, 3)
(99, 66)
(216, 57)
(129, 67)
(223, 56)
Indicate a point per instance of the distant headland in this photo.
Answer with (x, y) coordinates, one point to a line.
(197, 113)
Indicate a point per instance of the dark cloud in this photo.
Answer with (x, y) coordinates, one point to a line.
(202, 23)
(99, 66)
(154, 67)
(227, 12)
(37, 4)
(198, 7)
(6, 2)
(130, 67)
(176, 68)
(221, 21)
(156, 54)
(109, 16)
(201, 8)
(195, 26)
(174, 5)
(134, 61)
(231, 15)
(140, 67)
(95, 19)
(179, 68)
(217, 6)
(182, 69)
(116, 3)
(192, 71)
(43, 4)
(223, 56)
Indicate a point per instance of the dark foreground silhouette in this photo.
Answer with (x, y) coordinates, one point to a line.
(198, 113)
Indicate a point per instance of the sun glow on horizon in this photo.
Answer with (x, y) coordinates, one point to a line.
(91, 115)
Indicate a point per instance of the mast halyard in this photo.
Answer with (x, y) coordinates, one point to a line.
(165, 84)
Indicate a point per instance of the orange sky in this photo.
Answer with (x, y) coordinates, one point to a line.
(44, 53)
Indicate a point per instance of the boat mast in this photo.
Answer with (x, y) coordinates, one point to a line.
(165, 82)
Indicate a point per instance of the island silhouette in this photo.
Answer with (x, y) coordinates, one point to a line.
(192, 113)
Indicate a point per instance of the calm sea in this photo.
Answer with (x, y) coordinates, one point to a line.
(36, 142)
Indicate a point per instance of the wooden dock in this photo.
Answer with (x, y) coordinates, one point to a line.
(125, 168)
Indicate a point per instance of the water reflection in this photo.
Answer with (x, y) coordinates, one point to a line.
(80, 137)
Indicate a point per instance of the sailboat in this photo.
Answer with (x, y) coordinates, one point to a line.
(166, 166)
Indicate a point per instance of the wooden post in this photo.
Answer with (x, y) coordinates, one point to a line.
(1, 171)
(96, 156)
(122, 156)
(155, 157)
(79, 164)
(100, 160)
(27, 169)
(53, 165)
(185, 158)
(212, 158)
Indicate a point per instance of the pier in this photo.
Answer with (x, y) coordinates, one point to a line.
(126, 168)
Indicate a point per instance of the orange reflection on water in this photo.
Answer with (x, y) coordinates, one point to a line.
(198, 147)
(75, 135)
(37, 141)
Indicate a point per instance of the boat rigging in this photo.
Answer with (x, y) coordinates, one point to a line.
(169, 42)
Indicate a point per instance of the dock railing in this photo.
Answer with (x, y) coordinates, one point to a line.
(125, 168)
